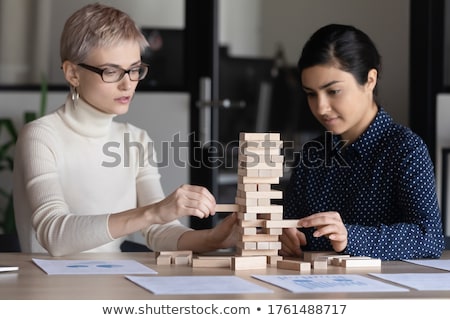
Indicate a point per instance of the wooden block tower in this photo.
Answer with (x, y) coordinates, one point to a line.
(260, 166)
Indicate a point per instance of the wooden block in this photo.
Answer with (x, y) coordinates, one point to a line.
(360, 262)
(250, 136)
(246, 253)
(211, 262)
(300, 266)
(249, 245)
(274, 231)
(264, 187)
(260, 237)
(338, 260)
(276, 158)
(182, 259)
(250, 151)
(248, 263)
(263, 165)
(251, 223)
(288, 223)
(243, 172)
(164, 259)
(247, 216)
(248, 187)
(261, 144)
(332, 256)
(270, 216)
(275, 245)
(273, 260)
(270, 172)
(227, 207)
(262, 245)
(272, 194)
(263, 202)
(246, 202)
(311, 255)
(248, 231)
(320, 263)
(275, 208)
(245, 180)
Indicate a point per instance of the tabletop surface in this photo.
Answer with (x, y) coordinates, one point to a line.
(32, 283)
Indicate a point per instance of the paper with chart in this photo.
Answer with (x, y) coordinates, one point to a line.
(443, 264)
(328, 283)
(419, 281)
(197, 285)
(53, 267)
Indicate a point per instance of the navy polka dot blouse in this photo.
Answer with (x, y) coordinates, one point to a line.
(382, 185)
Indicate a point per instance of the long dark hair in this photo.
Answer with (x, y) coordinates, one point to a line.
(343, 46)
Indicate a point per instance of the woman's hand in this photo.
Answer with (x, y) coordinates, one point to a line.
(187, 200)
(327, 224)
(223, 236)
(291, 240)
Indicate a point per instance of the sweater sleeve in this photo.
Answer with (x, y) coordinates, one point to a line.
(159, 237)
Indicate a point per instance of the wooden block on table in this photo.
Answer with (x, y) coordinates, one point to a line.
(360, 262)
(320, 263)
(211, 262)
(182, 259)
(338, 256)
(248, 263)
(164, 259)
(311, 255)
(227, 207)
(300, 266)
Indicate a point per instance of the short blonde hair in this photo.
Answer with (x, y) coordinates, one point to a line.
(97, 26)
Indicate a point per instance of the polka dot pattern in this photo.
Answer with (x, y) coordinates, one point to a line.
(382, 185)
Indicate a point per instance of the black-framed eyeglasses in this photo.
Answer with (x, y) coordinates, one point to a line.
(115, 74)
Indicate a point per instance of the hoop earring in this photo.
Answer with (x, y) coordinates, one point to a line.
(74, 95)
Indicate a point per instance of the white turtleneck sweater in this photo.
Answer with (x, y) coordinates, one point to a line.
(72, 169)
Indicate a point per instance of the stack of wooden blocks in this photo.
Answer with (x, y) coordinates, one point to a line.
(260, 166)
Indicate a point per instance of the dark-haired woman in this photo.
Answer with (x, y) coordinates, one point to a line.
(367, 186)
